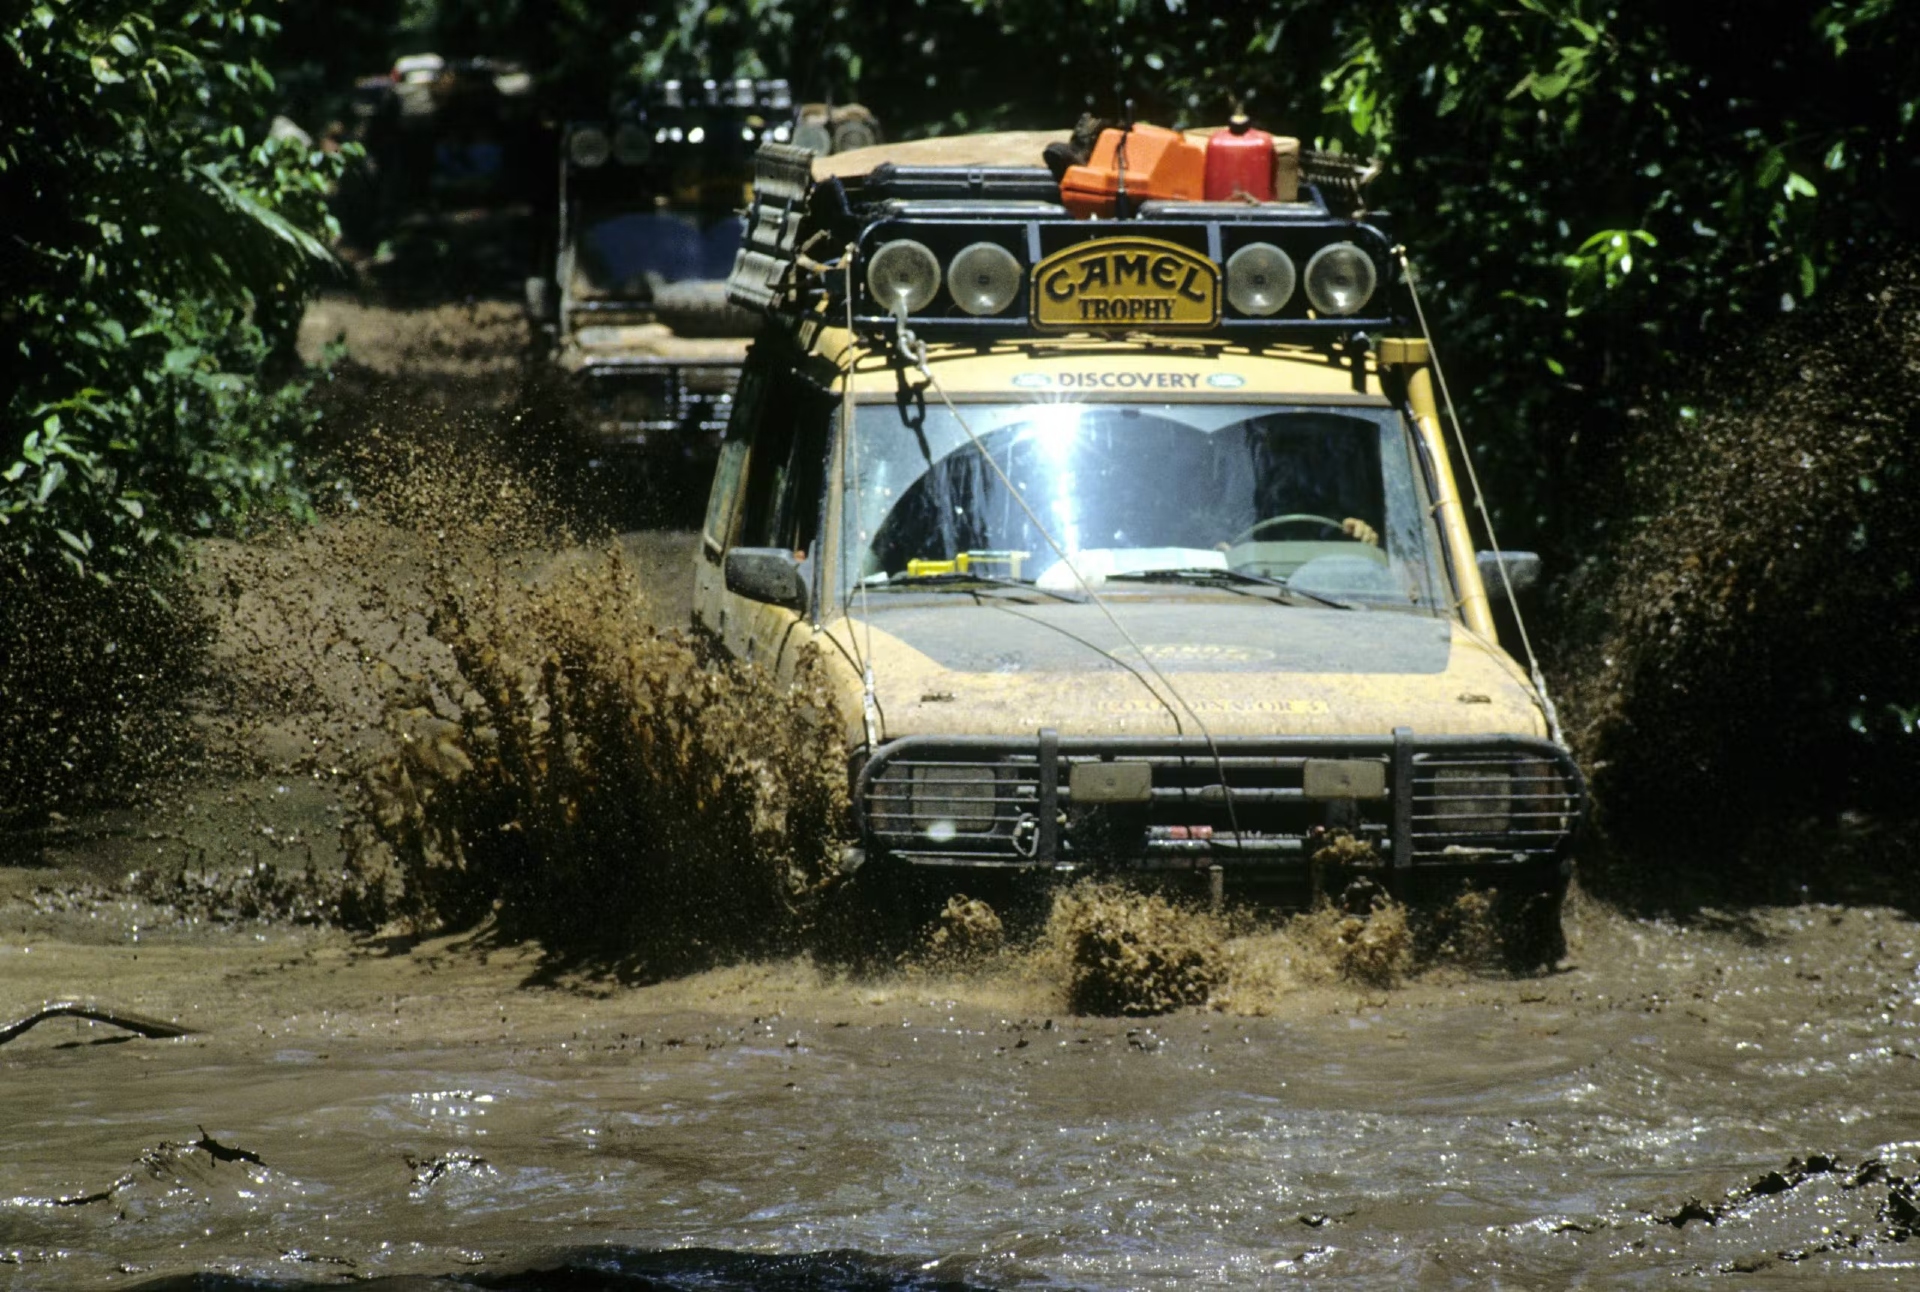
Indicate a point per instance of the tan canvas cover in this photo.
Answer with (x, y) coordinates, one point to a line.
(1018, 148)
(1004, 148)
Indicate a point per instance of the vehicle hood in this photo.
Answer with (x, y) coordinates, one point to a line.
(603, 343)
(960, 664)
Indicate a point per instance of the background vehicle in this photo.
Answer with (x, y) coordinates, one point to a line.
(634, 318)
(1132, 544)
(446, 140)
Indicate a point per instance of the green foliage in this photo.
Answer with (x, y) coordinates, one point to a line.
(1602, 193)
(160, 245)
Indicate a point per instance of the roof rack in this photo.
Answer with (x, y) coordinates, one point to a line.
(980, 252)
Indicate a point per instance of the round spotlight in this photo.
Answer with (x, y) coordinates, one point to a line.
(984, 278)
(589, 146)
(903, 273)
(632, 145)
(1260, 279)
(849, 135)
(1340, 279)
(813, 136)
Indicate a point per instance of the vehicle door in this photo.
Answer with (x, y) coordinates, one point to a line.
(710, 597)
(779, 506)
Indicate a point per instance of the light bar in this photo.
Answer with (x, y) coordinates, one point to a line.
(589, 146)
(965, 253)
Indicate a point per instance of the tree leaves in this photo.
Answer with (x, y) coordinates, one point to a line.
(152, 230)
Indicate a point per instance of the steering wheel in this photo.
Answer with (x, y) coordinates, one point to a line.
(1291, 518)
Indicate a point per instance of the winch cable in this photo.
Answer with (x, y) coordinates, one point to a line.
(915, 351)
(1479, 499)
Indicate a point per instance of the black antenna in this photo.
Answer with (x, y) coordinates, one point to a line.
(1121, 208)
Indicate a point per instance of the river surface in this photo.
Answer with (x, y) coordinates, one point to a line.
(1736, 1100)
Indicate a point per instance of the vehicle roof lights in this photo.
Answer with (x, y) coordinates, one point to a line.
(903, 275)
(1260, 279)
(632, 145)
(589, 146)
(1340, 279)
(980, 251)
(984, 278)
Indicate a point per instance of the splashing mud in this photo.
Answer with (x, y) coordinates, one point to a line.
(968, 932)
(1128, 952)
(1746, 666)
(603, 782)
(1374, 948)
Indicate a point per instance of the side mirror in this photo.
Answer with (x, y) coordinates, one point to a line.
(1523, 571)
(539, 300)
(769, 574)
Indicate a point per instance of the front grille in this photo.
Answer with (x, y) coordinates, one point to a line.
(1427, 801)
(636, 402)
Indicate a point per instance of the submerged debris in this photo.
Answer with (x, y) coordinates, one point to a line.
(428, 1172)
(138, 1024)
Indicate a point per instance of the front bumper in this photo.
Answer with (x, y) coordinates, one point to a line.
(1425, 805)
(676, 406)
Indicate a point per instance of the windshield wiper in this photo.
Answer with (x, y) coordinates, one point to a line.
(1209, 574)
(962, 582)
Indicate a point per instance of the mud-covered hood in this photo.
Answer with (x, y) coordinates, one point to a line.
(953, 664)
(614, 343)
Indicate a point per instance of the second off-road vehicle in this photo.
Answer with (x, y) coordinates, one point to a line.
(634, 320)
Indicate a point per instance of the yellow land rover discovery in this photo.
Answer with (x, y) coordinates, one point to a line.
(1133, 545)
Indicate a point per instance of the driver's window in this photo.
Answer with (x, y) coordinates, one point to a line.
(722, 501)
(786, 470)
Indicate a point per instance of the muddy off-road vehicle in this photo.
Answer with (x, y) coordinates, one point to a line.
(447, 140)
(1132, 544)
(635, 318)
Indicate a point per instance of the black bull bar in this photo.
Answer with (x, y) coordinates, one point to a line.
(1422, 804)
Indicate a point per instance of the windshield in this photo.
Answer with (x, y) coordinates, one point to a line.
(1324, 499)
(632, 255)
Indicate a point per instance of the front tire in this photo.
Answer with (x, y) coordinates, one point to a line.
(1533, 936)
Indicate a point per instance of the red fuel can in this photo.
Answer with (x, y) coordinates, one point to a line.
(1240, 163)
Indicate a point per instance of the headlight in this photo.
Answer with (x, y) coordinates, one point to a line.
(589, 146)
(631, 145)
(938, 802)
(1260, 279)
(1472, 800)
(1340, 279)
(849, 135)
(953, 800)
(903, 275)
(813, 136)
(984, 278)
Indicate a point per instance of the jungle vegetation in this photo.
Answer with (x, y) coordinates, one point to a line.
(1620, 211)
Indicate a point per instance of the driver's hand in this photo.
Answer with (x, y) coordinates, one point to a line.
(1361, 532)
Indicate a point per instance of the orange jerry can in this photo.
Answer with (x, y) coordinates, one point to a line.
(1162, 165)
(1240, 163)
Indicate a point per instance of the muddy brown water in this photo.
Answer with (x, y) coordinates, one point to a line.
(1676, 1101)
(1736, 1098)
